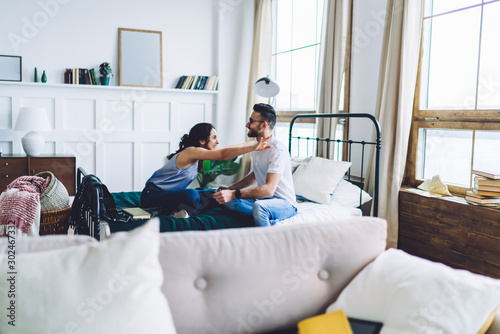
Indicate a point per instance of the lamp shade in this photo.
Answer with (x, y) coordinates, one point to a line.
(266, 87)
(32, 119)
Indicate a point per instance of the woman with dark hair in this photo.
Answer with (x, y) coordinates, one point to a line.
(166, 188)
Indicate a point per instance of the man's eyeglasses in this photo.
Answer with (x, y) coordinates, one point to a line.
(250, 121)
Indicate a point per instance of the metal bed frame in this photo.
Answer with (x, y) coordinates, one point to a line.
(377, 144)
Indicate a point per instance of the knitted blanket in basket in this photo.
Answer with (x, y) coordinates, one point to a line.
(20, 202)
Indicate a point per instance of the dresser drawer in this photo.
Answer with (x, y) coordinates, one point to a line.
(10, 169)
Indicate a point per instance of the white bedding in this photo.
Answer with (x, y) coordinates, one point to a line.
(309, 212)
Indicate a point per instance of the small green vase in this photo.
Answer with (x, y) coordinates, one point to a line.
(44, 77)
(36, 75)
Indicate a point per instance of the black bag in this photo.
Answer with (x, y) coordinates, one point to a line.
(93, 202)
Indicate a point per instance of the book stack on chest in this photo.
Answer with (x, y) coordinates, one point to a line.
(486, 189)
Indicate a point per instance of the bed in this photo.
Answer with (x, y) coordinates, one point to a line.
(344, 202)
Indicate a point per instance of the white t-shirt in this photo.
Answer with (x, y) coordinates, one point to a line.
(275, 160)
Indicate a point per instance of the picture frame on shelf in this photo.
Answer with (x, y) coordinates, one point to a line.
(140, 56)
(11, 68)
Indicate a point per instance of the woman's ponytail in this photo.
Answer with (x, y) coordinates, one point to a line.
(200, 131)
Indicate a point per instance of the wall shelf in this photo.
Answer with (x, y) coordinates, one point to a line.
(72, 86)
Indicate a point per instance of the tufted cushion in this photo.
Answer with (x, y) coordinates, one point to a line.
(46, 242)
(255, 280)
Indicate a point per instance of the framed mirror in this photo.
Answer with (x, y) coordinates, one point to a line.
(140, 56)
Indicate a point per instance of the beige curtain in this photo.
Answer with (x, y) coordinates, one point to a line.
(396, 91)
(336, 23)
(261, 63)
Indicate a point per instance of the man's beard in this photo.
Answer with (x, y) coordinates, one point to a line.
(252, 134)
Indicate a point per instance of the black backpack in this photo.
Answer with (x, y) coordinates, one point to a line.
(93, 202)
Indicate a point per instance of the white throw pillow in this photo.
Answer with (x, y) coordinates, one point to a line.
(347, 194)
(295, 162)
(409, 294)
(316, 178)
(110, 287)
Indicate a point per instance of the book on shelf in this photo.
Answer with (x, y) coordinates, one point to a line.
(80, 76)
(180, 82)
(486, 188)
(489, 205)
(197, 82)
(137, 213)
(484, 181)
(495, 175)
(187, 82)
(486, 193)
(471, 196)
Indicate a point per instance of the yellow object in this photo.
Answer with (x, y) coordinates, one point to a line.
(488, 323)
(329, 323)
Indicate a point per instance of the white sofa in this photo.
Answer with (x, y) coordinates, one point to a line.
(252, 280)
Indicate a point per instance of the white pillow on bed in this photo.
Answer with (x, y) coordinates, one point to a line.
(347, 194)
(409, 294)
(108, 287)
(316, 178)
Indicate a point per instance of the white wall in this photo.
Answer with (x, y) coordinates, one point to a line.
(56, 34)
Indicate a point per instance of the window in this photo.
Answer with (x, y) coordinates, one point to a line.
(456, 122)
(295, 62)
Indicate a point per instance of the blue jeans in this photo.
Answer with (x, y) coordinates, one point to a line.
(265, 212)
(192, 200)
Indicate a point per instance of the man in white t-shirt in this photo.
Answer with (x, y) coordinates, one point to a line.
(274, 197)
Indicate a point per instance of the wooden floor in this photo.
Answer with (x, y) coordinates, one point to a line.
(450, 231)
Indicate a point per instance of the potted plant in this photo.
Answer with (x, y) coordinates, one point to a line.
(105, 71)
(213, 168)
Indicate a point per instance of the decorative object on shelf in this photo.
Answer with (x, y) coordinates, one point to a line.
(44, 77)
(105, 71)
(266, 87)
(32, 120)
(10, 68)
(213, 168)
(140, 55)
(35, 79)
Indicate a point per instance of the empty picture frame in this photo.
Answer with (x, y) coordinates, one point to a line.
(140, 55)
(10, 68)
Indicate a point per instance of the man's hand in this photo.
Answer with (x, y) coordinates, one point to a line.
(224, 196)
(222, 188)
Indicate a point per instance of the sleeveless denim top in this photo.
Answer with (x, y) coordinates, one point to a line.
(172, 178)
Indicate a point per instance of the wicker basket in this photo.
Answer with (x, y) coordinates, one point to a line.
(55, 222)
(55, 197)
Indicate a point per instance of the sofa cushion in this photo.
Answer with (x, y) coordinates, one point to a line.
(107, 287)
(46, 242)
(254, 280)
(413, 295)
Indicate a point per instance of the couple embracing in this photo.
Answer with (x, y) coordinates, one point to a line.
(272, 200)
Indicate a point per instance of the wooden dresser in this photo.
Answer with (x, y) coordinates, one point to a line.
(62, 166)
(450, 231)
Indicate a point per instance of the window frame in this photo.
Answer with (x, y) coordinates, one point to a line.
(458, 119)
(285, 116)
